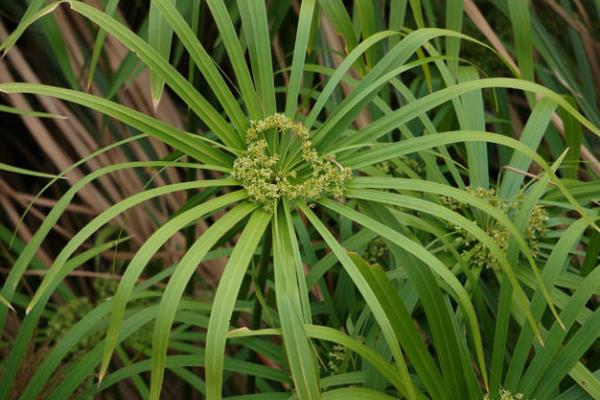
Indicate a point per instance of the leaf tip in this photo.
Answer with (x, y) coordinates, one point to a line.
(155, 103)
(101, 376)
(10, 307)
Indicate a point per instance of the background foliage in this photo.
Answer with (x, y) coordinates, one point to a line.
(460, 261)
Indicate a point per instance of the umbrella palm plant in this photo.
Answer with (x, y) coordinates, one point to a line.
(301, 191)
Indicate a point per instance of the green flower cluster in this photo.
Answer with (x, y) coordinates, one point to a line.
(260, 171)
(375, 250)
(105, 288)
(480, 254)
(65, 317)
(506, 395)
(336, 357)
(140, 340)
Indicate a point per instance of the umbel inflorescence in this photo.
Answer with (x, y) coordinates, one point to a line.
(286, 165)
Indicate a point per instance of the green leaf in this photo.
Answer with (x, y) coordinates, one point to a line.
(225, 298)
(27, 113)
(34, 7)
(192, 145)
(341, 71)
(436, 266)
(24, 171)
(473, 118)
(338, 337)
(300, 353)
(365, 12)
(72, 167)
(550, 274)
(160, 36)
(111, 7)
(58, 269)
(446, 214)
(385, 152)
(144, 255)
(196, 360)
(337, 13)
(366, 291)
(523, 34)
(156, 62)
(256, 33)
(410, 111)
(531, 137)
(355, 393)
(505, 301)
(573, 140)
(207, 66)
(404, 327)
(551, 364)
(30, 323)
(236, 57)
(28, 253)
(454, 22)
(177, 284)
(307, 11)
(6, 302)
(369, 86)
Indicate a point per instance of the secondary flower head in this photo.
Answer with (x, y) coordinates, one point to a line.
(481, 255)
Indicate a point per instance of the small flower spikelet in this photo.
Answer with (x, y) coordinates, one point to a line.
(65, 317)
(336, 357)
(259, 173)
(481, 255)
(506, 395)
(69, 314)
(375, 250)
